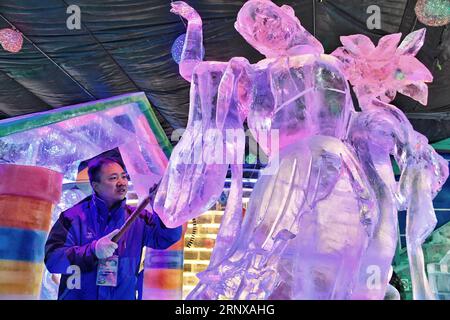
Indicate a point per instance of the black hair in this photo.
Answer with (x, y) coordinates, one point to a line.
(96, 164)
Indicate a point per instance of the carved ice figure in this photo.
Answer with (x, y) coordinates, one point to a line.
(308, 231)
(306, 99)
(376, 134)
(194, 178)
(381, 131)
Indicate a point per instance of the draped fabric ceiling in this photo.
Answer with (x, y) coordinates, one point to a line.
(124, 46)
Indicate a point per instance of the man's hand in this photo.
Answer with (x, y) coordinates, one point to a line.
(105, 247)
(186, 11)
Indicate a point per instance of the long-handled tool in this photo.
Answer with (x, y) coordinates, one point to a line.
(135, 213)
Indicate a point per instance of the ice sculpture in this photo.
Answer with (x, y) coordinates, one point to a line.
(229, 93)
(381, 130)
(25, 215)
(440, 277)
(376, 134)
(315, 226)
(62, 138)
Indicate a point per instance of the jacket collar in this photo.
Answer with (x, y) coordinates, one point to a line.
(102, 208)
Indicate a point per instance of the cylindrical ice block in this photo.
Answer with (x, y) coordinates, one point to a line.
(27, 196)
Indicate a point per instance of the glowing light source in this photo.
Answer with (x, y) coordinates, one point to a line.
(177, 48)
(11, 40)
(433, 13)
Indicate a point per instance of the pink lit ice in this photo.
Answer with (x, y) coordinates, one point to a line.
(11, 40)
(382, 71)
(326, 211)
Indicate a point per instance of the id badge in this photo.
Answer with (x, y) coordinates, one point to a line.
(107, 271)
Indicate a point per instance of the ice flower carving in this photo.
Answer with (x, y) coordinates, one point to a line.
(382, 71)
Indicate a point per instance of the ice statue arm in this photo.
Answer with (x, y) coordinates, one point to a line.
(235, 94)
(423, 177)
(192, 52)
(233, 103)
(194, 179)
(62, 250)
(420, 222)
(419, 154)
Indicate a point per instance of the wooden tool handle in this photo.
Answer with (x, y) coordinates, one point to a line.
(131, 218)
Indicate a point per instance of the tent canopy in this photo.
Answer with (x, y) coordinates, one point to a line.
(124, 46)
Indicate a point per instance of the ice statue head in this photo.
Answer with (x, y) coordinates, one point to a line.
(274, 31)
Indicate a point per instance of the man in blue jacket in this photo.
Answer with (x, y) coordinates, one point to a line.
(80, 248)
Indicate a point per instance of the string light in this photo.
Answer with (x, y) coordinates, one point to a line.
(11, 40)
(433, 13)
(177, 48)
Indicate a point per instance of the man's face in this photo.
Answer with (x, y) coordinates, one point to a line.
(113, 183)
